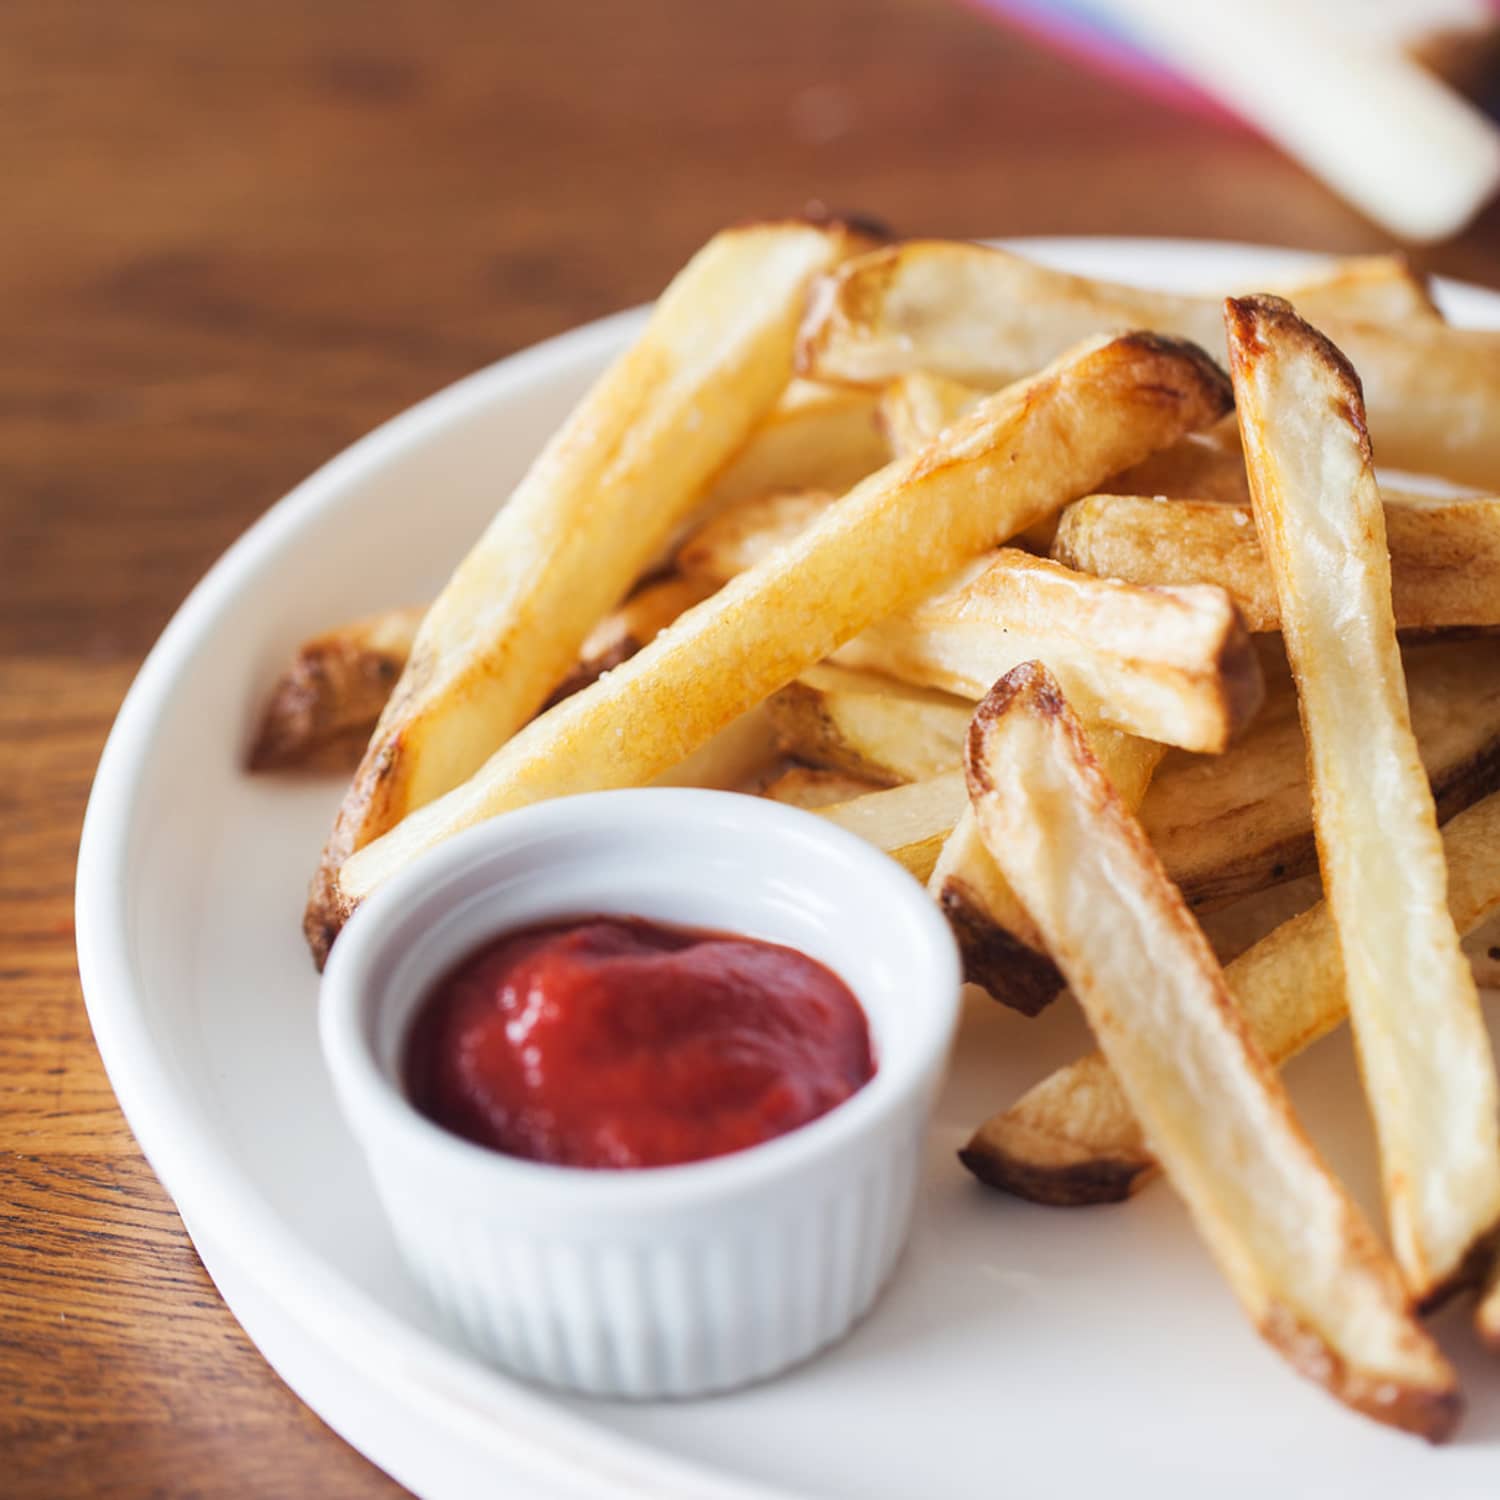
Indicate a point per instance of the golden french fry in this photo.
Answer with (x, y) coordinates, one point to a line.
(914, 408)
(746, 533)
(739, 757)
(1425, 1055)
(1072, 1139)
(987, 317)
(917, 407)
(1174, 665)
(598, 504)
(1206, 465)
(1307, 1269)
(1202, 466)
(636, 623)
(1445, 554)
(908, 822)
(816, 437)
(1367, 289)
(869, 727)
(1018, 456)
(324, 705)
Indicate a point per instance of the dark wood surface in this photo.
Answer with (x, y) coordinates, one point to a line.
(238, 236)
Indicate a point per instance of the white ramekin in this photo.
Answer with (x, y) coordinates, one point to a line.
(668, 1281)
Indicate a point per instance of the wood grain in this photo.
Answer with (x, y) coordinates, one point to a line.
(239, 236)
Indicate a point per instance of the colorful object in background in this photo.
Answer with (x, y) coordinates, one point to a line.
(1359, 91)
(1085, 33)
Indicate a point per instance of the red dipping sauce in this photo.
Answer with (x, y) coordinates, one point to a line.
(615, 1042)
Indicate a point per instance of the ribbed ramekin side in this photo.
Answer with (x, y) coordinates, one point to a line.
(664, 1313)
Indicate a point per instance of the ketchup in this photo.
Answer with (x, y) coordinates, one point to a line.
(616, 1042)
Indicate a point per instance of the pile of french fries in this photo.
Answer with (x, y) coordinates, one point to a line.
(841, 492)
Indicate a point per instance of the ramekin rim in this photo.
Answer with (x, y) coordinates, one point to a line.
(378, 1111)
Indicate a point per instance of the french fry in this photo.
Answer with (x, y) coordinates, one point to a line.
(1003, 951)
(1072, 1139)
(908, 822)
(1018, 456)
(869, 727)
(816, 437)
(813, 788)
(1176, 667)
(1207, 465)
(747, 532)
(1235, 929)
(1230, 825)
(1366, 288)
(1173, 665)
(1425, 1055)
(1356, 108)
(1445, 554)
(916, 407)
(324, 705)
(859, 725)
(636, 623)
(1308, 1270)
(599, 503)
(1202, 466)
(740, 756)
(987, 317)
(1226, 827)
(1482, 947)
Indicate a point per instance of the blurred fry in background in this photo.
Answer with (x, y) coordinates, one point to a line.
(1370, 95)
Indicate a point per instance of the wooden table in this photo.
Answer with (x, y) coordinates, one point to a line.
(238, 236)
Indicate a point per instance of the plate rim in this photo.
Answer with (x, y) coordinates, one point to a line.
(520, 1425)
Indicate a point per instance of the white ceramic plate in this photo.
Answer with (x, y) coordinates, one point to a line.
(1020, 1351)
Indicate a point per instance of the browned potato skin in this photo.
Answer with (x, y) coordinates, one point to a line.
(325, 703)
(324, 707)
(1031, 979)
